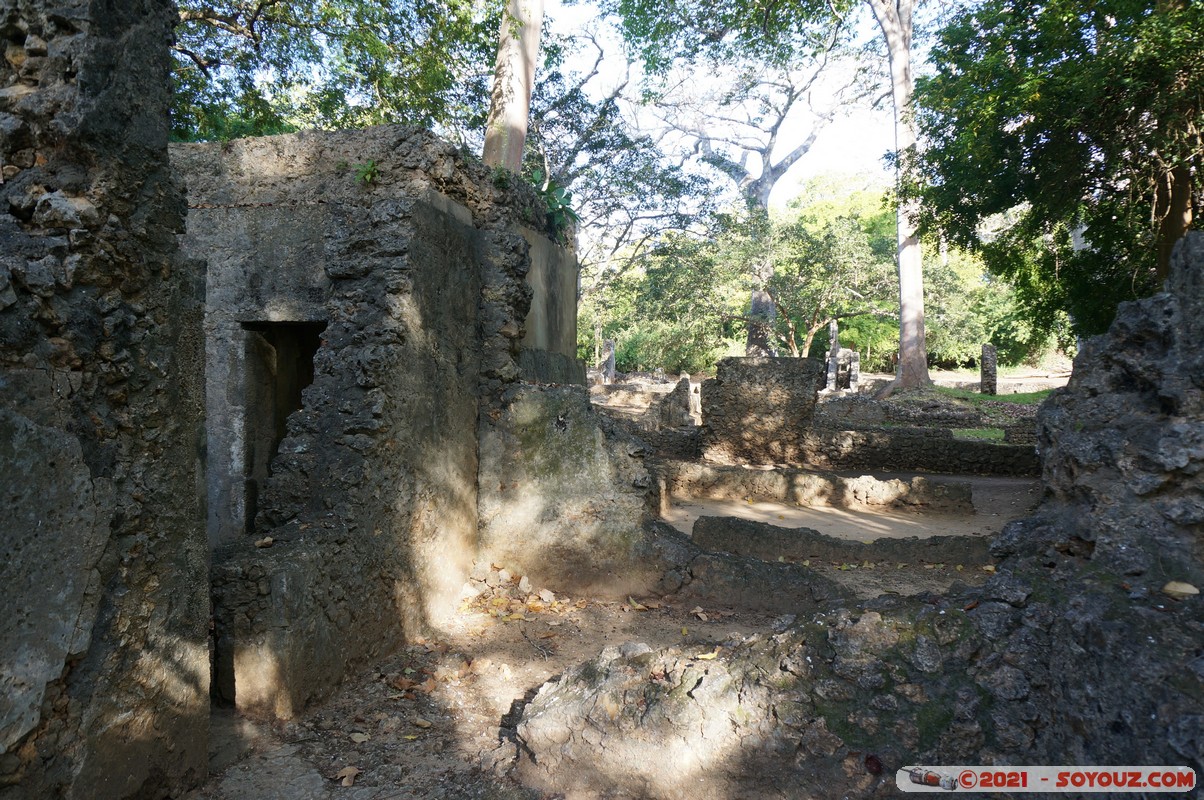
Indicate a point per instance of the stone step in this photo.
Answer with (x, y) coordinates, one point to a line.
(690, 480)
(769, 542)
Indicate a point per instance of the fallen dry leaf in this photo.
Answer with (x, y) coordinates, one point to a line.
(709, 656)
(359, 738)
(266, 541)
(988, 567)
(1179, 590)
(635, 604)
(421, 723)
(698, 612)
(347, 775)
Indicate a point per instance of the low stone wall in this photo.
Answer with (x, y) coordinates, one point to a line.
(686, 480)
(769, 543)
(889, 451)
(757, 410)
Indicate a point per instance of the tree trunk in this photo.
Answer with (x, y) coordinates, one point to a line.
(513, 79)
(761, 317)
(894, 17)
(809, 339)
(1174, 206)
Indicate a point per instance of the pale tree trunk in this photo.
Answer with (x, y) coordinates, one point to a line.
(513, 79)
(894, 17)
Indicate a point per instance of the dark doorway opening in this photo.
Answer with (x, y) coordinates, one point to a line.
(280, 364)
(279, 361)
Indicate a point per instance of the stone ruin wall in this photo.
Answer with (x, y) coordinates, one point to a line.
(887, 450)
(419, 301)
(370, 495)
(103, 657)
(763, 411)
(757, 410)
(417, 290)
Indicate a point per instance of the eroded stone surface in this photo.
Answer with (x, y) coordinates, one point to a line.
(756, 410)
(415, 292)
(686, 480)
(564, 495)
(103, 653)
(771, 542)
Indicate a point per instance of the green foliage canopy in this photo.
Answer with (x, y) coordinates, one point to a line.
(252, 67)
(686, 303)
(1052, 133)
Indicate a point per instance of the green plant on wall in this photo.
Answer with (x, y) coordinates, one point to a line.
(368, 172)
(500, 176)
(558, 201)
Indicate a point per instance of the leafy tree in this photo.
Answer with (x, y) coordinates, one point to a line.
(625, 190)
(778, 33)
(834, 257)
(895, 18)
(247, 67)
(1063, 141)
(736, 127)
(679, 308)
(835, 264)
(625, 193)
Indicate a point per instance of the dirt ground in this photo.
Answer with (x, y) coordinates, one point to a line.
(431, 721)
(434, 720)
(996, 500)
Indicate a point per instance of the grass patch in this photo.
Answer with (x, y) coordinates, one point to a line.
(1022, 398)
(982, 434)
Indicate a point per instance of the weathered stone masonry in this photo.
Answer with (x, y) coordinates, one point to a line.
(103, 659)
(367, 343)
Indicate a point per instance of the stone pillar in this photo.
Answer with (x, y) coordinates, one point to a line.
(988, 383)
(854, 370)
(761, 314)
(833, 357)
(608, 361)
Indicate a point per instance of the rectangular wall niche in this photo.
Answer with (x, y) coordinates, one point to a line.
(280, 364)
